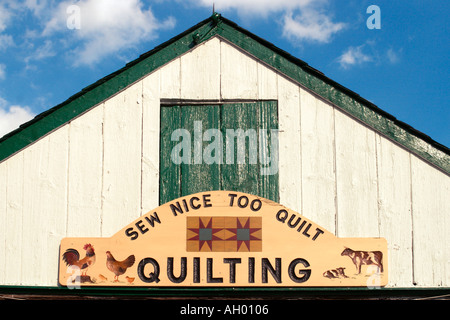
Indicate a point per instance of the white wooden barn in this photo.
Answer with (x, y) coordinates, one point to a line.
(96, 162)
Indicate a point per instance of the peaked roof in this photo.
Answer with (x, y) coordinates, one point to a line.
(216, 25)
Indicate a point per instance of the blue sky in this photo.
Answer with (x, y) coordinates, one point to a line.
(50, 50)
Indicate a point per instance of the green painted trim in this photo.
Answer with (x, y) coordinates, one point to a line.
(296, 69)
(338, 95)
(234, 292)
(101, 90)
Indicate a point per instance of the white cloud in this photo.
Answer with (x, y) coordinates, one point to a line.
(310, 25)
(302, 20)
(392, 56)
(37, 6)
(254, 7)
(5, 16)
(353, 56)
(44, 51)
(11, 117)
(358, 55)
(2, 71)
(105, 27)
(6, 40)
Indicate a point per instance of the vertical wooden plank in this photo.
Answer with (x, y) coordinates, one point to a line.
(290, 146)
(356, 179)
(150, 141)
(13, 220)
(35, 169)
(200, 71)
(201, 174)
(3, 226)
(239, 120)
(431, 225)
(239, 74)
(170, 173)
(394, 192)
(318, 169)
(234, 129)
(268, 89)
(45, 207)
(85, 174)
(267, 83)
(122, 159)
(170, 82)
(268, 151)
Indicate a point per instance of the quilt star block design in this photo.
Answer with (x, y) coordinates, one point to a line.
(223, 234)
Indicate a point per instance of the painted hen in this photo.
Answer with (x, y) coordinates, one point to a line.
(118, 267)
(72, 258)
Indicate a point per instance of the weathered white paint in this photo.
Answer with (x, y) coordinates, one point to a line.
(356, 180)
(100, 171)
(290, 172)
(3, 215)
(200, 72)
(239, 74)
(84, 209)
(122, 156)
(267, 83)
(13, 218)
(170, 81)
(150, 142)
(42, 210)
(431, 225)
(318, 185)
(394, 208)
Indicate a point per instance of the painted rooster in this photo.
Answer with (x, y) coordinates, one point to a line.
(72, 258)
(118, 267)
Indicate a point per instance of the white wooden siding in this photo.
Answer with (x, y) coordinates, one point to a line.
(239, 74)
(394, 208)
(318, 161)
(290, 171)
(3, 215)
(430, 225)
(99, 172)
(356, 179)
(45, 178)
(150, 142)
(13, 218)
(122, 157)
(84, 208)
(200, 72)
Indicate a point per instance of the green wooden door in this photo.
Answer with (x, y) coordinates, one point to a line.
(219, 147)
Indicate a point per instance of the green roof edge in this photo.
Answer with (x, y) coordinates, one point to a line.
(101, 90)
(296, 69)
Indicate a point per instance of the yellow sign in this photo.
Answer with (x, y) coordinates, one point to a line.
(223, 238)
